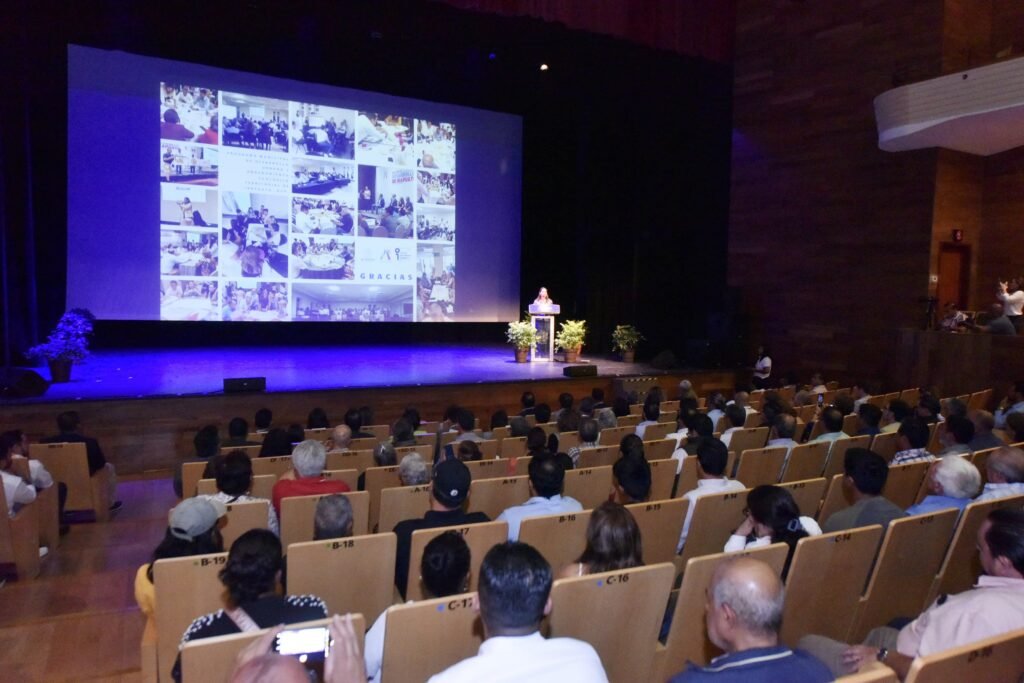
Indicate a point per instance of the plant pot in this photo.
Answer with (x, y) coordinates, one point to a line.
(572, 356)
(522, 355)
(60, 370)
(629, 356)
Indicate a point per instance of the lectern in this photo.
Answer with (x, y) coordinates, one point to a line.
(542, 317)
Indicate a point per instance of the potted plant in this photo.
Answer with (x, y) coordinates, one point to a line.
(67, 343)
(523, 336)
(570, 338)
(625, 339)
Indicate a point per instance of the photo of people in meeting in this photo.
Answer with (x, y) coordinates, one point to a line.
(435, 188)
(328, 179)
(254, 239)
(385, 202)
(435, 145)
(435, 223)
(383, 139)
(189, 300)
(317, 257)
(352, 303)
(322, 131)
(188, 112)
(246, 300)
(254, 122)
(185, 252)
(435, 284)
(188, 164)
(188, 205)
(322, 217)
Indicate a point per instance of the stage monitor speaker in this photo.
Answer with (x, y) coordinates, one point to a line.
(580, 371)
(22, 383)
(244, 385)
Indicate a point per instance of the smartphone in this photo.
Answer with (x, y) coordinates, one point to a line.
(821, 400)
(306, 644)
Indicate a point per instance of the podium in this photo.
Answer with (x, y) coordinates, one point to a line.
(542, 317)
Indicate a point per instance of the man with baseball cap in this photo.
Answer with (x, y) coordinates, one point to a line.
(448, 494)
(194, 517)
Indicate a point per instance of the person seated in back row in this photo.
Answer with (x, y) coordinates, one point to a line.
(952, 483)
(865, 475)
(308, 461)
(69, 426)
(547, 478)
(631, 479)
(712, 459)
(234, 482)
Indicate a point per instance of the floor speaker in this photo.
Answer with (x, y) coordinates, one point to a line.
(22, 383)
(244, 385)
(580, 371)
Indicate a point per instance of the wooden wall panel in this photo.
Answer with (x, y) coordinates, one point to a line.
(1002, 248)
(829, 236)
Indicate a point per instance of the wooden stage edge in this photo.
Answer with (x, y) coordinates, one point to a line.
(151, 436)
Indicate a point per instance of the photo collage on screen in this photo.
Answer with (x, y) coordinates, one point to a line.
(277, 210)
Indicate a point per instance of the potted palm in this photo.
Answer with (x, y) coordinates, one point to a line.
(624, 340)
(570, 338)
(67, 343)
(522, 335)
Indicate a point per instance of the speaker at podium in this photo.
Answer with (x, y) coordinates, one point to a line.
(542, 316)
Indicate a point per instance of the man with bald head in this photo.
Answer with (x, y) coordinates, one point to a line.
(1005, 473)
(984, 423)
(743, 616)
(341, 438)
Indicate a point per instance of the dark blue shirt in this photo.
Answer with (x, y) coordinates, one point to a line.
(767, 664)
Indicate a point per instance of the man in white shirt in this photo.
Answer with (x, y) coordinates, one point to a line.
(304, 223)
(1013, 403)
(716, 407)
(1012, 297)
(17, 491)
(860, 395)
(736, 417)
(1005, 472)
(832, 420)
(514, 597)
(546, 480)
(712, 458)
(652, 409)
(782, 434)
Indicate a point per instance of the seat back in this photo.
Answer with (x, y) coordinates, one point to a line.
(746, 439)
(979, 400)
(657, 432)
(355, 574)
(591, 486)
(399, 503)
(760, 466)
(807, 461)
(903, 483)
(911, 396)
(836, 498)
(298, 513)
(350, 460)
(350, 477)
(628, 420)
(687, 640)
(275, 465)
(601, 456)
(992, 659)
(872, 673)
(479, 537)
(19, 538)
(444, 630)
(753, 420)
(381, 433)
(980, 460)
(567, 440)
(807, 494)
(714, 518)
(318, 434)
(242, 517)
(850, 424)
(213, 659)
(364, 444)
(906, 567)
(377, 479)
(191, 473)
(560, 538)
(611, 436)
(493, 496)
(251, 451)
(186, 588)
(262, 486)
(659, 449)
(661, 523)
(512, 447)
(886, 445)
(825, 582)
(637, 597)
(837, 454)
(487, 469)
(67, 462)
(961, 566)
(687, 475)
(663, 478)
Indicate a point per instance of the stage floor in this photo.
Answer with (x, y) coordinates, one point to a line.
(199, 372)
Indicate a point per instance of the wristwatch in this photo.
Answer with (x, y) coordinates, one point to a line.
(883, 652)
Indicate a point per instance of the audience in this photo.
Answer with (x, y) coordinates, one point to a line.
(317, 419)
(262, 420)
(276, 442)
(832, 422)
(1013, 403)
(402, 433)
(745, 603)
(447, 496)
(914, 435)
(528, 401)
(957, 436)
(865, 476)
(354, 421)
(308, 460)
(238, 434)
(514, 597)
(333, 518)
(716, 407)
(735, 419)
(547, 478)
(631, 479)
(444, 571)
(712, 459)
(588, 435)
(895, 413)
(613, 543)
(14, 448)
(984, 439)
(17, 491)
(251, 577)
(468, 451)
(651, 412)
(952, 483)
(412, 471)
(772, 517)
(341, 438)
(465, 424)
(699, 429)
(69, 426)
(870, 420)
(995, 606)
(1005, 473)
(781, 435)
(234, 480)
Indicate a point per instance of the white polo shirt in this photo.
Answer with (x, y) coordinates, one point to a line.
(532, 658)
(535, 507)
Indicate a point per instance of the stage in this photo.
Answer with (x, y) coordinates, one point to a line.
(153, 373)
